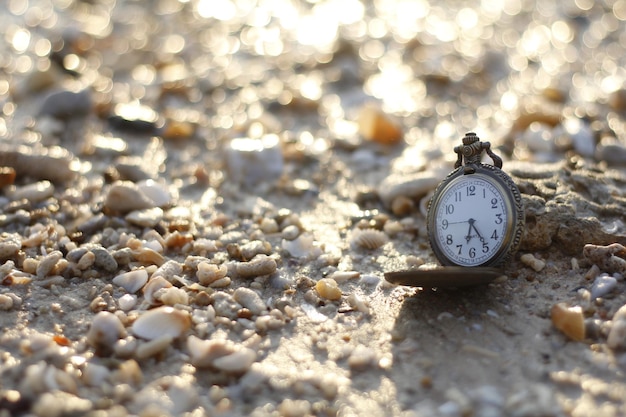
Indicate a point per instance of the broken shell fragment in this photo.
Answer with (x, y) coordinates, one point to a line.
(132, 281)
(106, 328)
(209, 273)
(160, 322)
(569, 320)
(368, 238)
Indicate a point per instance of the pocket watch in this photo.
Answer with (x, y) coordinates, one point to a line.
(475, 221)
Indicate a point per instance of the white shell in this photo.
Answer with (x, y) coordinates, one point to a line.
(220, 354)
(208, 273)
(106, 328)
(132, 281)
(157, 192)
(249, 299)
(368, 238)
(125, 196)
(155, 284)
(160, 322)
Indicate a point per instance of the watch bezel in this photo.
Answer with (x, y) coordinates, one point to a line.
(513, 205)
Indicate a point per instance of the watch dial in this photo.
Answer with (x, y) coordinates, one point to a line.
(471, 220)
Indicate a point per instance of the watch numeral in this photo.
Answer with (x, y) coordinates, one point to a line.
(471, 190)
(494, 203)
(460, 247)
(472, 252)
(499, 218)
(485, 247)
(494, 235)
(449, 208)
(449, 239)
(457, 196)
(444, 224)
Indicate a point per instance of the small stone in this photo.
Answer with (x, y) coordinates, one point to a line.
(602, 286)
(617, 334)
(237, 362)
(67, 104)
(250, 299)
(10, 244)
(412, 186)
(34, 193)
(125, 197)
(106, 328)
(259, 266)
(103, 259)
(361, 358)
(569, 320)
(327, 288)
(6, 302)
(529, 259)
(161, 321)
(611, 258)
(294, 408)
(47, 264)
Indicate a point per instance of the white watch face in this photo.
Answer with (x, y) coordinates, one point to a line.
(471, 220)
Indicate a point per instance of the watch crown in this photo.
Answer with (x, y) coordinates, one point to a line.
(470, 137)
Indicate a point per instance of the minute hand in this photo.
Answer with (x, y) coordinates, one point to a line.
(472, 225)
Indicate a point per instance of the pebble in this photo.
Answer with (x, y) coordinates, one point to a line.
(145, 218)
(611, 258)
(104, 259)
(617, 334)
(161, 321)
(327, 288)
(361, 358)
(250, 299)
(259, 266)
(47, 264)
(34, 193)
(603, 285)
(530, 260)
(302, 246)
(157, 192)
(54, 163)
(125, 197)
(6, 302)
(10, 244)
(611, 153)
(66, 104)
(253, 161)
(413, 186)
(569, 320)
(132, 281)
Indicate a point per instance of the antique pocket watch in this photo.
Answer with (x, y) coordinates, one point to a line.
(475, 222)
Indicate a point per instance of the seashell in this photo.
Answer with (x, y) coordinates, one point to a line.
(312, 313)
(204, 352)
(368, 238)
(125, 196)
(260, 265)
(358, 303)
(17, 278)
(47, 264)
(327, 288)
(161, 321)
(250, 299)
(132, 281)
(208, 273)
(106, 328)
(237, 362)
(148, 256)
(569, 320)
(153, 347)
(153, 286)
(343, 276)
(221, 283)
(529, 259)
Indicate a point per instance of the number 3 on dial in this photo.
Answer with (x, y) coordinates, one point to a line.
(475, 219)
